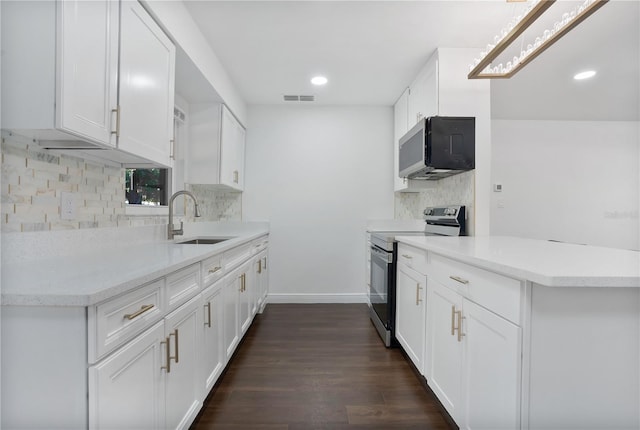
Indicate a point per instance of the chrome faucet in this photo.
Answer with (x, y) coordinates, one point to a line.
(170, 230)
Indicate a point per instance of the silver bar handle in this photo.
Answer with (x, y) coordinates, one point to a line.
(459, 279)
(175, 334)
(208, 306)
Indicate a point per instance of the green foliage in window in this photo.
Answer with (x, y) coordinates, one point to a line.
(146, 186)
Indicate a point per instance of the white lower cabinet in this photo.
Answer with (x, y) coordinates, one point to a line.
(261, 282)
(154, 380)
(213, 357)
(246, 290)
(410, 313)
(127, 390)
(183, 339)
(503, 353)
(231, 302)
(444, 352)
(473, 362)
(492, 368)
(145, 359)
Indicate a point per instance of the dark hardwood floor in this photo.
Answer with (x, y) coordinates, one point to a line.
(307, 367)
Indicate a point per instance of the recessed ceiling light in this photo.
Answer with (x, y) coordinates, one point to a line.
(585, 75)
(319, 80)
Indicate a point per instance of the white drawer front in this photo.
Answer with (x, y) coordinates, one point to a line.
(233, 257)
(413, 257)
(260, 244)
(120, 319)
(493, 291)
(182, 285)
(212, 270)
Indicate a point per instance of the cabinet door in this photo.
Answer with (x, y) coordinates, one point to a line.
(87, 68)
(262, 283)
(246, 292)
(491, 370)
(444, 347)
(423, 96)
(240, 150)
(232, 137)
(410, 313)
(183, 331)
(231, 296)
(126, 390)
(400, 112)
(213, 354)
(147, 80)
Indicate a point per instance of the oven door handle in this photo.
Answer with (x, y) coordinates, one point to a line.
(383, 255)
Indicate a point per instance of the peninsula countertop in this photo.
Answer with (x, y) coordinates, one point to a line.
(552, 264)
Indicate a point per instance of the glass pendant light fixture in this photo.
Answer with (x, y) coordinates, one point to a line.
(482, 67)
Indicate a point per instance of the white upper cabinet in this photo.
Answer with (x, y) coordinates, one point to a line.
(416, 102)
(147, 81)
(87, 69)
(62, 84)
(440, 88)
(215, 154)
(400, 122)
(400, 127)
(232, 141)
(59, 69)
(423, 93)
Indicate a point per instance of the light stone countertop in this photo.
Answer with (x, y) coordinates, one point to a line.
(395, 225)
(91, 277)
(552, 264)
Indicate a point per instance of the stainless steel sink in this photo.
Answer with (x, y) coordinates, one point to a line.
(204, 241)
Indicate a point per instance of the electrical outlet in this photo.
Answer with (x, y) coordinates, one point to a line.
(68, 206)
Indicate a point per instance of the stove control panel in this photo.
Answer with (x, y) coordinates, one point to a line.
(449, 211)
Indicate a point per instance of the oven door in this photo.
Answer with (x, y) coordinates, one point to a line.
(379, 294)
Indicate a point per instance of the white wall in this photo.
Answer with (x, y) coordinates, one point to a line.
(576, 181)
(317, 174)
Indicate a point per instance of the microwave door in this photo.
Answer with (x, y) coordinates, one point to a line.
(411, 156)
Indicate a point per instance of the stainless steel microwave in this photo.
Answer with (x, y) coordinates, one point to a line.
(437, 147)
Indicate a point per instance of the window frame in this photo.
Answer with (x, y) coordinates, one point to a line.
(150, 210)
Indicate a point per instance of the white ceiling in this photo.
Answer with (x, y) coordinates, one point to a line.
(371, 50)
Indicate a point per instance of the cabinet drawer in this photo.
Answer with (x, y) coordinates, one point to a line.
(235, 256)
(182, 285)
(493, 291)
(212, 270)
(412, 257)
(260, 244)
(116, 321)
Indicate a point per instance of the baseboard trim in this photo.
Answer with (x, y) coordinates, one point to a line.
(318, 298)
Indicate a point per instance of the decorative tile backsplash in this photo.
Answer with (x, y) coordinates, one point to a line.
(34, 178)
(454, 190)
(215, 204)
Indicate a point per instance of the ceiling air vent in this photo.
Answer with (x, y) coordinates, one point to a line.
(292, 98)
